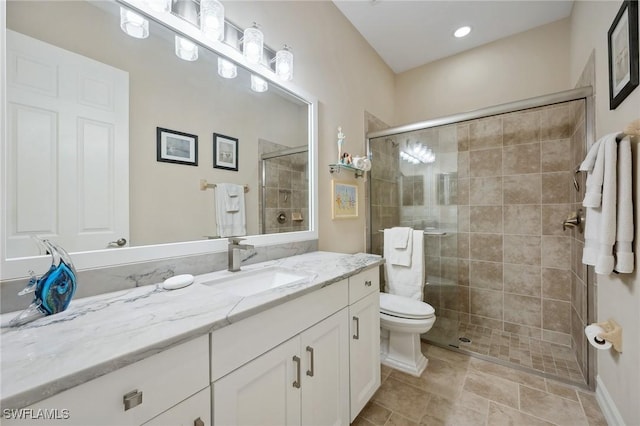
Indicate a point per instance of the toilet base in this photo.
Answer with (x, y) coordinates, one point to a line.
(402, 351)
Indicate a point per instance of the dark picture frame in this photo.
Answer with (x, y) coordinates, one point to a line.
(622, 41)
(225, 152)
(176, 147)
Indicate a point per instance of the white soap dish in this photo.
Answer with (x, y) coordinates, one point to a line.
(178, 281)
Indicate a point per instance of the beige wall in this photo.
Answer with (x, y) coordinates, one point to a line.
(525, 65)
(334, 63)
(618, 296)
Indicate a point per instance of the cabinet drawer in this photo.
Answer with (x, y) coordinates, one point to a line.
(163, 380)
(194, 411)
(363, 284)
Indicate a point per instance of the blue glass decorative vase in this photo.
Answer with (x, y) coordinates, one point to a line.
(54, 290)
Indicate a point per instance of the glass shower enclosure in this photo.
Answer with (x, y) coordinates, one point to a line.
(490, 190)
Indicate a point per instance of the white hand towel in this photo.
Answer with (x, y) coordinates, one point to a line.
(624, 229)
(398, 256)
(358, 163)
(401, 237)
(232, 199)
(407, 281)
(229, 223)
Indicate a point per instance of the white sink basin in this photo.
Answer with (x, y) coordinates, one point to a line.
(247, 283)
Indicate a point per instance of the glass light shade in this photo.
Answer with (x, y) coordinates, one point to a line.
(227, 69)
(258, 84)
(212, 19)
(133, 24)
(186, 49)
(252, 44)
(159, 5)
(284, 64)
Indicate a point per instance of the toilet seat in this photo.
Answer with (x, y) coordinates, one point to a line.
(403, 307)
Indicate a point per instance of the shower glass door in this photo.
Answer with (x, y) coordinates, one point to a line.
(414, 183)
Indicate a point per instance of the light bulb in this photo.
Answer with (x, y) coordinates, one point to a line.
(226, 69)
(186, 49)
(284, 64)
(462, 32)
(252, 44)
(212, 19)
(133, 24)
(258, 84)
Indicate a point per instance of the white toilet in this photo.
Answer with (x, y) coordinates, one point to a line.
(402, 321)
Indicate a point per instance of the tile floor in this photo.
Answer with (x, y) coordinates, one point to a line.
(527, 352)
(459, 390)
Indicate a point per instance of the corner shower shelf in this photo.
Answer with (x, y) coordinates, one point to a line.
(337, 168)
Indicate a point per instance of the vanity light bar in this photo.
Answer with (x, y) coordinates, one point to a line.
(280, 63)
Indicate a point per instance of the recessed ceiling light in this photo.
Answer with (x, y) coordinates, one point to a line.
(462, 31)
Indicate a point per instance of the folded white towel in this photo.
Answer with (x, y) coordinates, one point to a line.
(401, 237)
(407, 281)
(623, 250)
(594, 166)
(229, 223)
(398, 256)
(232, 200)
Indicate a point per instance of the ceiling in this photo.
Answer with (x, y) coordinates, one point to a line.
(407, 34)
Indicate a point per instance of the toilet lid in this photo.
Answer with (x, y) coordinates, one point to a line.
(404, 307)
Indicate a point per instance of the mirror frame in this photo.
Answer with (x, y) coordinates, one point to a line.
(15, 268)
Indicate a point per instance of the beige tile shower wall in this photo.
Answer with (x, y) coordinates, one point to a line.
(515, 260)
(286, 190)
(385, 194)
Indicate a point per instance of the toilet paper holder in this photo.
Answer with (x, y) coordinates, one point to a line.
(611, 333)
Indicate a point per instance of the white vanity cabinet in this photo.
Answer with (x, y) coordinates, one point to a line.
(304, 380)
(364, 346)
(133, 394)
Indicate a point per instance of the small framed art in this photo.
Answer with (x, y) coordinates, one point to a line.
(176, 147)
(225, 152)
(623, 53)
(344, 200)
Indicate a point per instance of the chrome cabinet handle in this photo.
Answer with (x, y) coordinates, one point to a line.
(198, 422)
(296, 383)
(357, 335)
(367, 283)
(310, 371)
(132, 399)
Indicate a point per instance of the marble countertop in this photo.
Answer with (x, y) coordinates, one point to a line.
(100, 334)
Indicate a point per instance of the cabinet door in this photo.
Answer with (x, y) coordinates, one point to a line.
(325, 374)
(263, 391)
(364, 351)
(193, 411)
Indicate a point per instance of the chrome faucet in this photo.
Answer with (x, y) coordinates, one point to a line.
(234, 253)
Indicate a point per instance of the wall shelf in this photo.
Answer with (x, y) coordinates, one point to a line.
(338, 167)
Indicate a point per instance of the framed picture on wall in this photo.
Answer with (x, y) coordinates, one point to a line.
(344, 200)
(623, 53)
(225, 152)
(176, 147)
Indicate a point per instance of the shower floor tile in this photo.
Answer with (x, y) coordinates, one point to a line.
(527, 352)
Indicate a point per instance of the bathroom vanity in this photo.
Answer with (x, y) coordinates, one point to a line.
(299, 353)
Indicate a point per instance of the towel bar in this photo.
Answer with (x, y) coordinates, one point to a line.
(429, 232)
(204, 185)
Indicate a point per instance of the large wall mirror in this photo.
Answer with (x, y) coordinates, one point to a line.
(107, 139)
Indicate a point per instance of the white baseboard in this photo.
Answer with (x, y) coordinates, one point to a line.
(607, 405)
